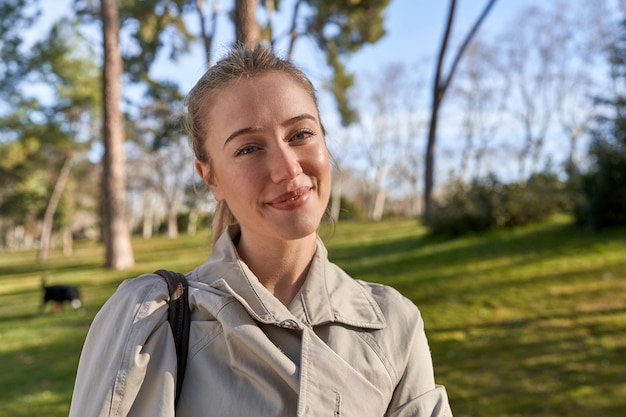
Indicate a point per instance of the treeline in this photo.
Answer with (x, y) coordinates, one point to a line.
(533, 122)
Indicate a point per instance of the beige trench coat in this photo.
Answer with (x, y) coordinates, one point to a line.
(343, 348)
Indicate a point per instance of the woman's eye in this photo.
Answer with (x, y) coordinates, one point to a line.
(245, 150)
(302, 134)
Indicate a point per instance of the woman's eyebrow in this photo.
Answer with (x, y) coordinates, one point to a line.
(240, 132)
(288, 122)
(297, 118)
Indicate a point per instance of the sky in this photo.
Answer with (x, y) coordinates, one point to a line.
(414, 30)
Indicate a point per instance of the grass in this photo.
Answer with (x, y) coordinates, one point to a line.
(524, 322)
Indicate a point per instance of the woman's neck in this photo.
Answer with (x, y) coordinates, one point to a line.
(281, 266)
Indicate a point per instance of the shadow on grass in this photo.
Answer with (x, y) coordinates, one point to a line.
(534, 368)
(515, 330)
(421, 258)
(42, 269)
(37, 378)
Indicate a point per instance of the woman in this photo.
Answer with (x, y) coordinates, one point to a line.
(277, 330)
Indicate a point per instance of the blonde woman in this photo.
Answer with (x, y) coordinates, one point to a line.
(276, 329)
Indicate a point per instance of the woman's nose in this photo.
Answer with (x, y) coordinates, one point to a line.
(284, 164)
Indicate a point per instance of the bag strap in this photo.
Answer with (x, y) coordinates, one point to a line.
(178, 317)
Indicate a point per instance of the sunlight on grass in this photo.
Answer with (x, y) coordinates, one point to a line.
(523, 322)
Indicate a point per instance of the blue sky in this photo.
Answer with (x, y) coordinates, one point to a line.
(414, 29)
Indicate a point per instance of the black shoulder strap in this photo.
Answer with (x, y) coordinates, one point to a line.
(179, 320)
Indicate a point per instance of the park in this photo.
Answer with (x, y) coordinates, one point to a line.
(512, 247)
(522, 322)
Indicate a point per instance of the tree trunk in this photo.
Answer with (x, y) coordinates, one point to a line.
(68, 241)
(207, 35)
(335, 196)
(192, 227)
(172, 223)
(440, 86)
(439, 89)
(246, 27)
(429, 177)
(378, 205)
(119, 251)
(48, 217)
(293, 32)
(148, 214)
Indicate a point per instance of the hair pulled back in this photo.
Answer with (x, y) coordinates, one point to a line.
(240, 62)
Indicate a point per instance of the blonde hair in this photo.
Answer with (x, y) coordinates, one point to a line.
(240, 62)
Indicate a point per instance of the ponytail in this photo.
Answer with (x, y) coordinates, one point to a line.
(222, 218)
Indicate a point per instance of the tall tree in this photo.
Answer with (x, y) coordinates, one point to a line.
(17, 16)
(66, 61)
(46, 228)
(531, 54)
(381, 148)
(246, 25)
(119, 251)
(480, 98)
(161, 153)
(207, 16)
(338, 28)
(440, 85)
(603, 186)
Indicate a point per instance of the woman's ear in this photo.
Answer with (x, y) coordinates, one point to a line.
(204, 170)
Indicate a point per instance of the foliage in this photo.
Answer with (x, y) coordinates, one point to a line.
(152, 25)
(524, 321)
(489, 204)
(603, 186)
(17, 15)
(40, 133)
(351, 210)
(341, 27)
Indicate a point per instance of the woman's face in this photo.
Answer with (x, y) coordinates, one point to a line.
(269, 157)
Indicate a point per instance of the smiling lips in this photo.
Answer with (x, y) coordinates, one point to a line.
(292, 199)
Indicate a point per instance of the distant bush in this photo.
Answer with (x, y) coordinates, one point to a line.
(351, 210)
(488, 204)
(604, 185)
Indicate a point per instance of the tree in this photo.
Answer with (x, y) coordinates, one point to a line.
(603, 186)
(480, 100)
(119, 252)
(586, 45)
(40, 134)
(440, 85)
(386, 129)
(161, 154)
(531, 53)
(339, 28)
(17, 16)
(154, 27)
(246, 25)
(59, 185)
(207, 17)
(65, 61)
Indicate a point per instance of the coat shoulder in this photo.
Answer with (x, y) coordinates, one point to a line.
(395, 307)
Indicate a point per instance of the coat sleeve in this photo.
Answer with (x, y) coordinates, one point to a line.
(127, 366)
(416, 394)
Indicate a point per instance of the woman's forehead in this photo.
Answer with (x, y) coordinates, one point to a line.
(261, 94)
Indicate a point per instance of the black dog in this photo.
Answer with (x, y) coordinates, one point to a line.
(58, 294)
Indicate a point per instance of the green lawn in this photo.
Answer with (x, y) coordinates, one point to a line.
(526, 322)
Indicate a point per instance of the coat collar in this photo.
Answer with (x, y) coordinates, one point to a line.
(329, 295)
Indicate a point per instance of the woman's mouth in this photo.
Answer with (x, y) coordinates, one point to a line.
(292, 199)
